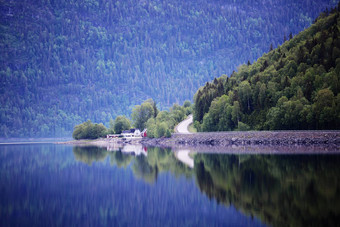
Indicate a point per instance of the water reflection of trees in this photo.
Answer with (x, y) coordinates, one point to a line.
(281, 190)
(89, 154)
(144, 167)
(159, 160)
(120, 159)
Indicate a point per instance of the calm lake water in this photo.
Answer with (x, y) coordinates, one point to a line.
(58, 185)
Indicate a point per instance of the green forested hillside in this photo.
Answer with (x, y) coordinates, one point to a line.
(295, 86)
(63, 62)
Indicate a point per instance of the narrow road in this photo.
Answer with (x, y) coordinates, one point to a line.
(183, 155)
(182, 127)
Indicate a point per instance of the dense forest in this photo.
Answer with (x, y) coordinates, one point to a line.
(64, 62)
(295, 86)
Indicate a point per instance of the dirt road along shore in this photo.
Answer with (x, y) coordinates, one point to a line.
(183, 126)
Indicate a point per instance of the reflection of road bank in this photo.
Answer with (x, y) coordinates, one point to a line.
(105, 142)
(183, 156)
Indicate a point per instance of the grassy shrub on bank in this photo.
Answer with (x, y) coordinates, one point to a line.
(88, 130)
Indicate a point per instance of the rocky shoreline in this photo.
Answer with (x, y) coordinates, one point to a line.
(269, 138)
(247, 142)
(261, 142)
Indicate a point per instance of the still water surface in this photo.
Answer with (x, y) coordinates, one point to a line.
(57, 185)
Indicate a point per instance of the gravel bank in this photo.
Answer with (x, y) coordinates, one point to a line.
(235, 142)
(266, 138)
(103, 142)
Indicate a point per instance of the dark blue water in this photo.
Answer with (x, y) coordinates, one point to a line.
(57, 185)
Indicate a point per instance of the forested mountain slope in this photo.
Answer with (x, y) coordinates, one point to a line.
(63, 62)
(295, 86)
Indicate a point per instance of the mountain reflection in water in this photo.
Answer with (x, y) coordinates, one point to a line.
(281, 190)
